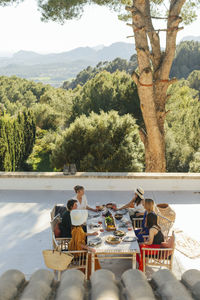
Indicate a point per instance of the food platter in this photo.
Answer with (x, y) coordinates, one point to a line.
(124, 224)
(93, 215)
(113, 240)
(100, 207)
(95, 242)
(122, 211)
(94, 225)
(110, 223)
(119, 233)
(129, 239)
(109, 205)
(118, 216)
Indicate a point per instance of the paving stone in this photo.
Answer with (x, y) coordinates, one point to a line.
(9, 283)
(105, 275)
(161, 277)
(73, 275)
(71, 279)
(71, 293)
(196, 290)
(104, 290)
(136, 285)
(14, 276)
(190, 278)
(7, 290)
(36, 291)
(173, 290)
(42, 275)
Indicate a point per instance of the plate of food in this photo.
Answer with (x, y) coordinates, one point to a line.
(129, 239)
(94, 225)
(119, 233)
(109, 205)
(122, 211)
(100, 207)
(118, 216)
(113, 240)
(93, 215)
(95, 242)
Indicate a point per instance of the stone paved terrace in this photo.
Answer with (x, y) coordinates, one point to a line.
(26, 201)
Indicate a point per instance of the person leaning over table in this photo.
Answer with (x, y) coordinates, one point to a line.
(155, 237)
(65, 225)
(78, 240)
(149, 208)
(81, 198)
(136, 202)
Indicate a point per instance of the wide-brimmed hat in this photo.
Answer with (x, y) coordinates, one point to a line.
(140, 192)
(78, 216)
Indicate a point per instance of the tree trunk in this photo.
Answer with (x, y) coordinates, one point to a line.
(152, 78)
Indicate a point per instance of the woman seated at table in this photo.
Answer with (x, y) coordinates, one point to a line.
(136, 202)
(155, 237)
(138, 210)
(81, 198)
(78, 240)
(149, 208)
(65, 225)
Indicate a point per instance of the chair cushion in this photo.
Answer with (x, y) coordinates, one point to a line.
(170, 243)
(57, 231)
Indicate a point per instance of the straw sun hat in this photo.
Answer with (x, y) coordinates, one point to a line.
(140, 192)
(78, 216)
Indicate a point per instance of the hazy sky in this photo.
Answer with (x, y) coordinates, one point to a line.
(21, 29)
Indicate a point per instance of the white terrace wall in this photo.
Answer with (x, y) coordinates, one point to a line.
(100, 181)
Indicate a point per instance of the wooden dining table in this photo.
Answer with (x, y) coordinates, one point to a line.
(123, 250)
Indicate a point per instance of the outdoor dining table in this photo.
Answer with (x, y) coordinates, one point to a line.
(123, 250)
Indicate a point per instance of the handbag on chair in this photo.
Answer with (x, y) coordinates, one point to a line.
(57, 260)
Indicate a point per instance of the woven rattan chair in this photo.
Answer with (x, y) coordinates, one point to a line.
(137, 223)
(158, 257)
(58, 243)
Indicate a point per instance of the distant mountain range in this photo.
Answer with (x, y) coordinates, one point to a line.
(55, 68)
(191, 38)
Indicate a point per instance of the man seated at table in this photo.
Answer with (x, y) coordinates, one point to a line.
(78, 241)
(65, 225)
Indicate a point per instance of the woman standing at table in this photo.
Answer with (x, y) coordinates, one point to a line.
(81, 198)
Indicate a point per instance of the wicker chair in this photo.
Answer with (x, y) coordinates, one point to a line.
(137, 223)
(58, 243)
(60, 261)
(159, 257)
(165, 225)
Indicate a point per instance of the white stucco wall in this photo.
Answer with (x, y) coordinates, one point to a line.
(100, 181)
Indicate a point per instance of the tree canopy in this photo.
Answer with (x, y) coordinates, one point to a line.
(107, 92)
(104, 142)
(183, 129)
(17, 137)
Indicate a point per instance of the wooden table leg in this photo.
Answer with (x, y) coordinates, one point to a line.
(134, 261)
(93, 263)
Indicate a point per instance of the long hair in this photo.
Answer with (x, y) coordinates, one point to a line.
(78, 188)
(138, 200)
(150, 204)
(152, 220)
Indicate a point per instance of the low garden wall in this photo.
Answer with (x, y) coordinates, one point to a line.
(100, 181)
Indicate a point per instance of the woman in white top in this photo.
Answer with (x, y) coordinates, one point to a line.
(81, 198)
(138, 208)
(137, 203)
